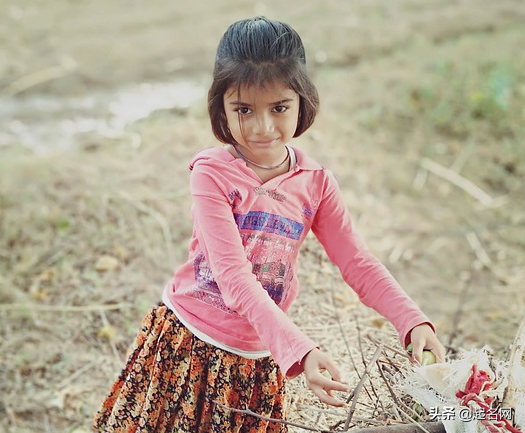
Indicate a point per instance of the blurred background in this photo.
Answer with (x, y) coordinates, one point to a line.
(102, 104)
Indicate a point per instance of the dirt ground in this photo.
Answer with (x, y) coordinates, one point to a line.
(422, 123)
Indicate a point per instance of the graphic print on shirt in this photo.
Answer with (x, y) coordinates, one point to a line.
(206, 289)
(309, 209)
(275, 277)
(272, 262)
(235, 198)
(270, 244)
(272, 193)
(269, 223)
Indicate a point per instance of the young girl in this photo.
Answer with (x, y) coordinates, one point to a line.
(220, 338)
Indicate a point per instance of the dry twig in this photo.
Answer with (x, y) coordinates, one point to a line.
(516, 369)
(389, 387)
(360, 341)
(265, 418)
(24, 83)
(79, 372)
(480, 252)
(355, 394)
(429, 427)
(459, 181)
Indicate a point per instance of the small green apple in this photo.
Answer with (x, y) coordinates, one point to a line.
(428, 357)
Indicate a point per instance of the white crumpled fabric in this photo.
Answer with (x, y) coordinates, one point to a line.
(435, 386)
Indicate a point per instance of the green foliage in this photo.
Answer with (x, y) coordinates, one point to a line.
(460, 100)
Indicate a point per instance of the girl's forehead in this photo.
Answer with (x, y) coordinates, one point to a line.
(273, 91)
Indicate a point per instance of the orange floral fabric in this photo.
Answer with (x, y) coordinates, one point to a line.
(172, 379)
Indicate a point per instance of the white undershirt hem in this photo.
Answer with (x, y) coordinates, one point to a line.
(248, 354)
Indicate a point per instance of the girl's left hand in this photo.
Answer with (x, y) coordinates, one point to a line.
(315, 362)
(422, 338)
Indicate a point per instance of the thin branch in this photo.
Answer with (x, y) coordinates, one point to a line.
(389, 387)
(460, 181)
(67, 66)
(336, 312)
(511, 396)
(265, 418)
(388, 347)
(480, 252)
(332, 412)
(76, 374)
(428, 427)
(360, 385)
(416, 424)
(397, 402)
(360, 342)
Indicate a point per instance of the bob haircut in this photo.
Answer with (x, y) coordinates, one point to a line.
(258, 52)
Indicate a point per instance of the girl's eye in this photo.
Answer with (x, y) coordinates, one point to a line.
(280, 109)
(243, 110)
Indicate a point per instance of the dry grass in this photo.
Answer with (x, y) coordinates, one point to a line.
(398, 84)
(68, 315)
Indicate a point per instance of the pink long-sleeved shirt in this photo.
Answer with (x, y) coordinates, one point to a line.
(240, 277)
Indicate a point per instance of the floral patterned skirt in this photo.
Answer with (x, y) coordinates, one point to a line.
(173, 382)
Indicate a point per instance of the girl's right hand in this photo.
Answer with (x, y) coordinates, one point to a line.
(315, 362)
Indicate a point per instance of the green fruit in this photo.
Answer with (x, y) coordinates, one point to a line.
(428, 358)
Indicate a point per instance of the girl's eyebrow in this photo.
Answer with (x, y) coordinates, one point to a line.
(282, 101)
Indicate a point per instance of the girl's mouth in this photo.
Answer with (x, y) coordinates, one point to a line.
(264, 142)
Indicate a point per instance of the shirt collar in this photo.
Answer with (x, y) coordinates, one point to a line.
(303, 162)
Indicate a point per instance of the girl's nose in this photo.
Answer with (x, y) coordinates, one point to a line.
(263, 123)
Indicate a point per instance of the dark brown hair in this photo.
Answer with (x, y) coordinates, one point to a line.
(256, 52)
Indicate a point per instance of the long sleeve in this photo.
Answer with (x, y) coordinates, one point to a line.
(218, 236)
(369, 278)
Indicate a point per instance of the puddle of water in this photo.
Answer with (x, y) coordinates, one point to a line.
(44, 123)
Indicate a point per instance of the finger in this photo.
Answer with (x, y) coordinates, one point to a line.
(440, 353)
(337, 386)
(320, 381)
(435, 346)
(333, 371)
(327, 398)
(417, 352)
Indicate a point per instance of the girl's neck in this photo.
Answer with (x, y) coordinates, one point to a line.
(268, 172)
(263, 166)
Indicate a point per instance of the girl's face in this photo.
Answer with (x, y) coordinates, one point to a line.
(262, 119)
